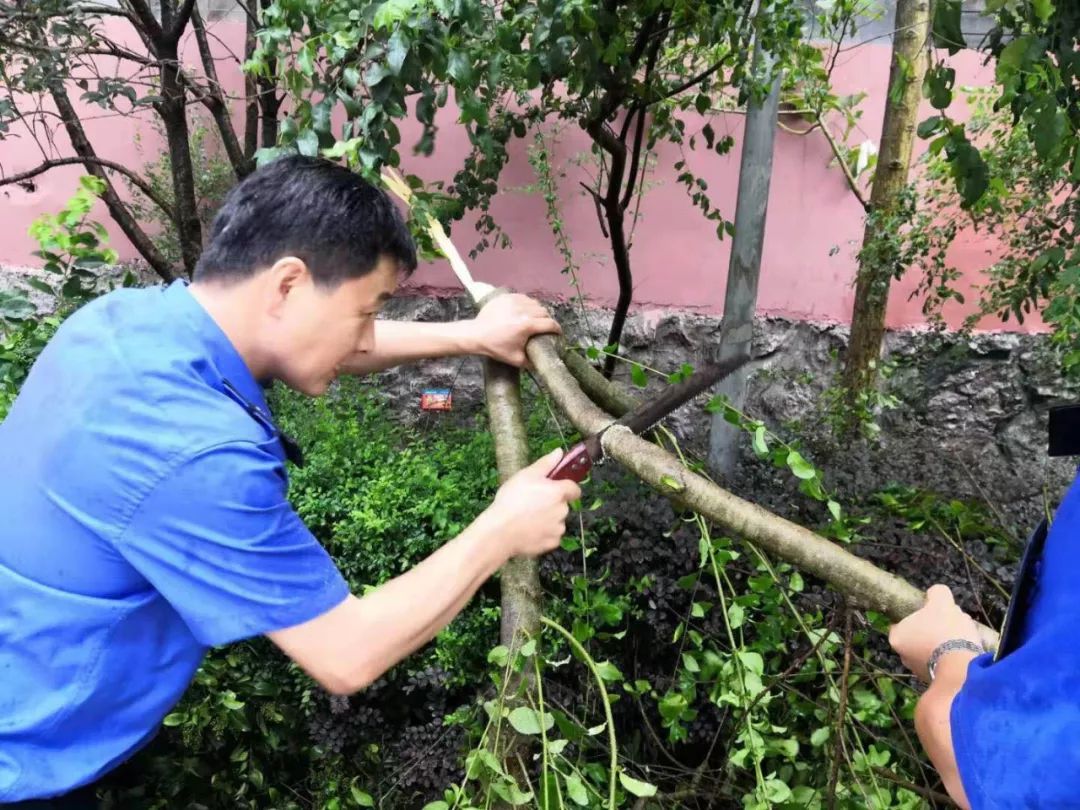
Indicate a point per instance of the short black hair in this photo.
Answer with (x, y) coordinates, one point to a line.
(335, 221)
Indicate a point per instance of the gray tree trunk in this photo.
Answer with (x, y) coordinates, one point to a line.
(744, 269)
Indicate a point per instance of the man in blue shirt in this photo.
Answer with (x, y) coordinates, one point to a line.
(1003, 731)
(143, 484)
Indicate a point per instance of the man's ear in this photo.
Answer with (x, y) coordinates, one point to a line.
(284, 278)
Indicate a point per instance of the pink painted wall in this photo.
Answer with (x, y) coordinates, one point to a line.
(813, 233)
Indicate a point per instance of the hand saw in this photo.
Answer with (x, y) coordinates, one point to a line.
(580, 458)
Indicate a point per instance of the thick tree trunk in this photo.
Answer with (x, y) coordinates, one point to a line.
(519, 578)
(876, 270)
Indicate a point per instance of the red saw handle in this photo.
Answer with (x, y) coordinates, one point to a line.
(573, 466)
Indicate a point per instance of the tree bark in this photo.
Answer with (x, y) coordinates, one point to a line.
(119, 211)
(909, 63)
(173, 111)
(744, 268)
(615, 214)
(251, 97)
(215, 101)
(269, 102)
(519, 578)
(520, 581)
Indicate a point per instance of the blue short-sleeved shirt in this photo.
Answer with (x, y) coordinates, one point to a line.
(143, 519)
(1016, 722)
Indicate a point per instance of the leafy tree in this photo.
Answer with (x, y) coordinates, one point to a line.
(52, 47)
(621, 71)
(1021, 181)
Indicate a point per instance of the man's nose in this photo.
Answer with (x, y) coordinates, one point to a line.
(367, 338)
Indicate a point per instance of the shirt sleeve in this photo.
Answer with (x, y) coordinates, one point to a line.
(1014, 724)
(218, 539)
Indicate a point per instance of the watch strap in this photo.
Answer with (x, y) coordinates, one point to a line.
(949, 646)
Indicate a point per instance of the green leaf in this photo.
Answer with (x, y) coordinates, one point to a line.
(41, 286)
(834, 509)
(938, 85)
(690, 663)
(673, 484)
(820, 736)
(736, 615)
(392, 12)
(752, 661)
(1044, 9)
(576, 790)
(460, 67)
(362, 799)
(946, 25)
(396, 51)
(799, 466)
(557, 746)
(173, 720)
(375, 74)
(511, 793)
(930, 126)
(777, 791)
(436, 806)
(637, 374)
(308, 143)
(526, 720)
(608, 671)
(305, 63)
(635, 786)
(1048, 129)
(796, 583)
(499, 655)
(760, 446)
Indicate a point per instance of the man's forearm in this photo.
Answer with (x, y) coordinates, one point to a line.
(932, 721)
(408, 611)
(398, 343)
(353, 644)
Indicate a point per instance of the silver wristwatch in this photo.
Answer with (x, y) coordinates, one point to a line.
(949, 646)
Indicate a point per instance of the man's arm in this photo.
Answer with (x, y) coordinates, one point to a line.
(932, 722)
(351, 645)
(915, 639)
(500, 331)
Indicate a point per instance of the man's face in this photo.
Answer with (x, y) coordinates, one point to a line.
(317, 329)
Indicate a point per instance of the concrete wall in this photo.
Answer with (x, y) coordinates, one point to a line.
(813, 234)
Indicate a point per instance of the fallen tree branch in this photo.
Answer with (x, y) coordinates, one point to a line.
(862, 582)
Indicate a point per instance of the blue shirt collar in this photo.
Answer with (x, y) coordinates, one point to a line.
(225, 369)
(226, 365)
